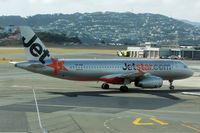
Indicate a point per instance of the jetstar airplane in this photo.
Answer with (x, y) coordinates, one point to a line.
(145, 73)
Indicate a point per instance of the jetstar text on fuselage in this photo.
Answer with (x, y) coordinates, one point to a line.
(137, 66)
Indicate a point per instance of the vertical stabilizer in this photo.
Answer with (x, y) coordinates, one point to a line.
(33, 46)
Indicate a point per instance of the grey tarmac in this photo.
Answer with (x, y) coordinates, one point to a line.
(83, 107)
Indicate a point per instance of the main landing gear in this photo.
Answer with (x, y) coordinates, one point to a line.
(105, 86)
(171, 87)
(123, 88)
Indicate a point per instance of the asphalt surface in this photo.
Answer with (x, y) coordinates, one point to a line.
(83, 107)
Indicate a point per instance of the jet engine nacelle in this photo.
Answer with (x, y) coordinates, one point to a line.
(150, 82)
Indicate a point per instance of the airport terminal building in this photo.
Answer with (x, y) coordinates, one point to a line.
(156, 53)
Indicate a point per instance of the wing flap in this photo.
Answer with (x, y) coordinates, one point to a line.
(120, 77)
(129, 75)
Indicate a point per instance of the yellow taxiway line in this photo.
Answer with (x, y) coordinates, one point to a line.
(137, 122)
(184, 125)
(160, 122)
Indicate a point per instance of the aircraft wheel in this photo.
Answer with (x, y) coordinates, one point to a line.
(171, 87)
(124, 89)
(105, 86)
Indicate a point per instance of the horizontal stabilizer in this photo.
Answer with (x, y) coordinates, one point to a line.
(192, 93)
(13, 62)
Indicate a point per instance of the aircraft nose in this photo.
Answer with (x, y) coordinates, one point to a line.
(190, 72)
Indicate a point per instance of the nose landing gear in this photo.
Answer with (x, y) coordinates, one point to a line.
(171, 87)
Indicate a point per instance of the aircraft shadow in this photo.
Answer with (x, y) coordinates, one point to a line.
(102, 101)
(156, 92)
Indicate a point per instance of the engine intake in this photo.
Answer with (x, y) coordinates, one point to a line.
(149, 82)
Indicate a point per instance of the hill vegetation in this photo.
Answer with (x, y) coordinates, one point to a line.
(57, 38)
(111, 27)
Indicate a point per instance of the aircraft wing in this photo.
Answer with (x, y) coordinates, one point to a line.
(129, 75)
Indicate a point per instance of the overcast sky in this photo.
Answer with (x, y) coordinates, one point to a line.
(179, 9)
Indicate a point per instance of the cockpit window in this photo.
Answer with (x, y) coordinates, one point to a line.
(185, 66)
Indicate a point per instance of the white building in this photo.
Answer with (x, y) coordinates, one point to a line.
(156, 53)
(148, 52)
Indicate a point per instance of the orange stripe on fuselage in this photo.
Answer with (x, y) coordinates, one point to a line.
(111, 80)
(83, 79)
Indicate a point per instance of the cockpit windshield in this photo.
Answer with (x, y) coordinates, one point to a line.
(185, 66)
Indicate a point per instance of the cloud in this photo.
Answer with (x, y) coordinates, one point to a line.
(43, 1)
